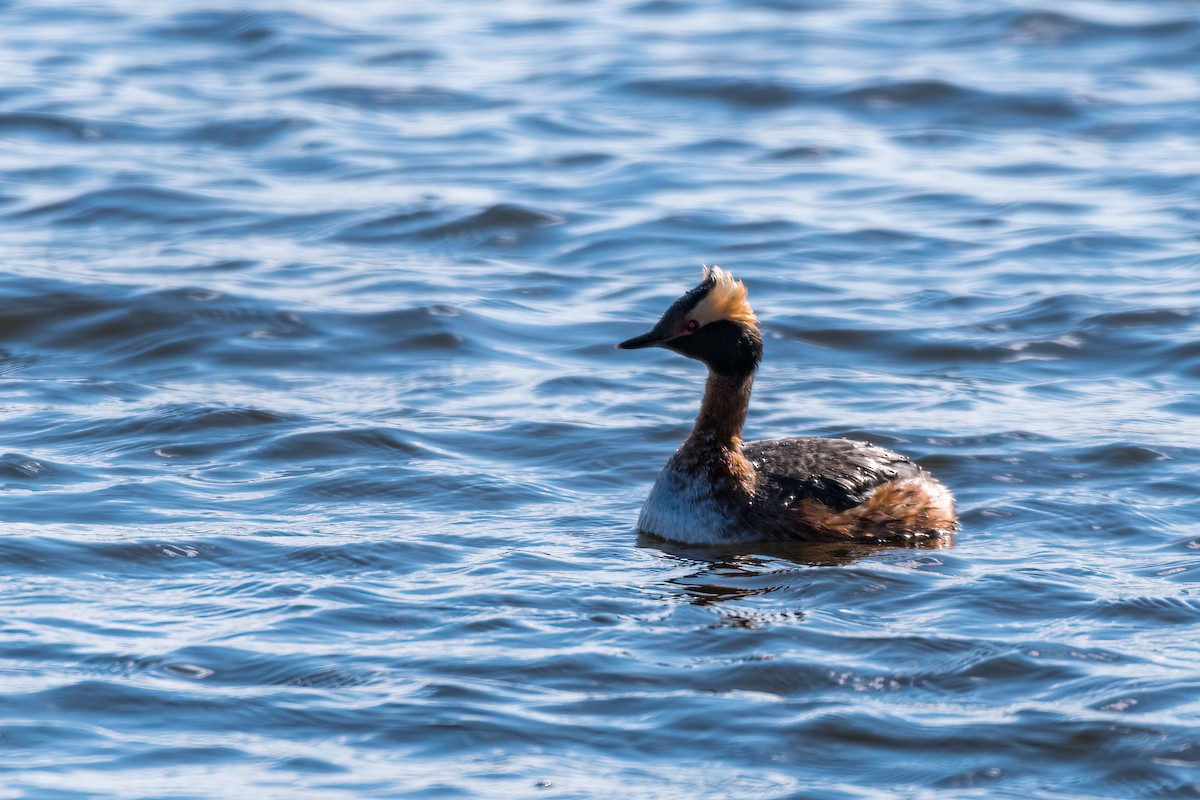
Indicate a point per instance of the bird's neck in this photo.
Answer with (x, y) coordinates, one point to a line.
(723, 411)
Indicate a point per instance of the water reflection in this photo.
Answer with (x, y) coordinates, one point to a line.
(726, 575)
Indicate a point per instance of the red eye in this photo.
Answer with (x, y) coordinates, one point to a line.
(692, 326)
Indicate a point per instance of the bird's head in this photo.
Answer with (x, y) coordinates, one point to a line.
(712, 323)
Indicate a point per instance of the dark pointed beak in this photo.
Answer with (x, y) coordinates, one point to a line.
(645, 340)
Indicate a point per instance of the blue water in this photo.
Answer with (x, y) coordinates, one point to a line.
(320, 468)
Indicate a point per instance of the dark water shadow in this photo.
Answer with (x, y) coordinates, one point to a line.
(728, 574)
(811, 554)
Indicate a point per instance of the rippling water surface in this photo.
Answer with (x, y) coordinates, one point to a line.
(320, 469)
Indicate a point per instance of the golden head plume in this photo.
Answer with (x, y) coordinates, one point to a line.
(726, 299)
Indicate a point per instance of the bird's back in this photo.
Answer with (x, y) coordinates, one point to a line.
(838, 473)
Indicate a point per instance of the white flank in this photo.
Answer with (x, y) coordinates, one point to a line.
(683, 508)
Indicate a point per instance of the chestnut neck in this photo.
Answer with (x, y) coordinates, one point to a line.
(723, 411)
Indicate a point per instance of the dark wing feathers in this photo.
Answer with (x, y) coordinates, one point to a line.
(841, 473)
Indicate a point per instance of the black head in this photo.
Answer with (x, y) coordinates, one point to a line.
(712, 323)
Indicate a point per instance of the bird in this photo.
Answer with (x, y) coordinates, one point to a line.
(717, 489)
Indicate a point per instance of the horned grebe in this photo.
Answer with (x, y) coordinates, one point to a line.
(717, 489)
